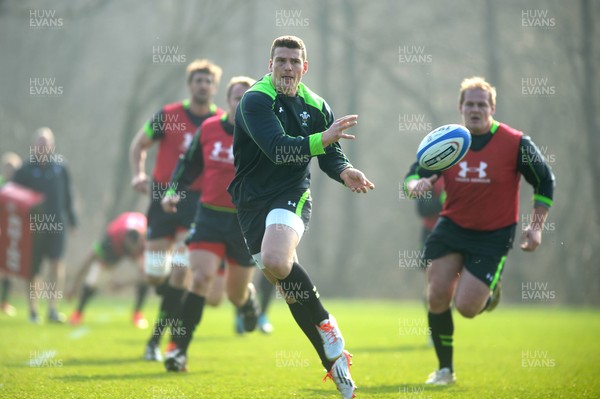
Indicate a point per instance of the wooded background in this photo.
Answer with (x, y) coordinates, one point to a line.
(398, 64)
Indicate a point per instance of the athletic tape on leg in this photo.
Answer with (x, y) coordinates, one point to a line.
(287, 219)
(157, 263)
(181, 259)
(92, 276)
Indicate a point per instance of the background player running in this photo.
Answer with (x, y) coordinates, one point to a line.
(470, 242)
(124, 238)
(173, 128)
(216, 234)
(279, 126)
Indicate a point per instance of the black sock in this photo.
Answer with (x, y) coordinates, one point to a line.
(298, 286)
(442, 330)
(160, 289)
(86, 294)
(170, 306)
(140, 296)
(191, 314)
(265, 289)
(305, 322)
(5, 290)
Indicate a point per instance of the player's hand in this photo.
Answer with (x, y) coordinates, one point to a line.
(423, 185)
(356, 180)
(336, 130)
(169, 203)
(531, 239)
(140, 183)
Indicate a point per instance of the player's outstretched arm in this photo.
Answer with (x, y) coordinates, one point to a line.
(356, 180)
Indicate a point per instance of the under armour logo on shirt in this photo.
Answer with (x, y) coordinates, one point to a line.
(220, 153)
(292, 203)
(280, 110)
(464, 169)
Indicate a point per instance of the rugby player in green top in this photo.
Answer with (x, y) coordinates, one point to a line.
(280, 125)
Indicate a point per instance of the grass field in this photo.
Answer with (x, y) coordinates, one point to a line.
(515, 352)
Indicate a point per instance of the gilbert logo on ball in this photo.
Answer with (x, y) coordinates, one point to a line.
(444, 147)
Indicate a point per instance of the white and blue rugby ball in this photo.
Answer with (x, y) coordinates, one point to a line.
(444, 147)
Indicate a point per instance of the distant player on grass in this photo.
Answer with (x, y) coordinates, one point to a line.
(280, 125)
(216, 234)
(173, 128)
(124, 238)
(470, 242)
(47, 173)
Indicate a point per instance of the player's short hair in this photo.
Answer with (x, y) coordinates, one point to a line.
(10, 158)
(292, 42)
(239, 80)
(204, 66)
(477, 82)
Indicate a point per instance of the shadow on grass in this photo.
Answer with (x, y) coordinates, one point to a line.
(200, 339)
(121, 377)
(382, 348)
(384, 391)
(105, 362)
(86, 362)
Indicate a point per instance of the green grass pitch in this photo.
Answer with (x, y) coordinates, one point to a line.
(515, 352)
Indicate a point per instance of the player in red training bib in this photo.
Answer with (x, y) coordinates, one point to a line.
(172, 128)
(216, 234)
(470, 242)
(124, 238)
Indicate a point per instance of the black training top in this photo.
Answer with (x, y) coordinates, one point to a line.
(52, 180)
(275, 138)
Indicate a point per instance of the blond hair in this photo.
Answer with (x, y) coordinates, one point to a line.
(10, 158)
(204, 66)
(477, 82)
(242, 80)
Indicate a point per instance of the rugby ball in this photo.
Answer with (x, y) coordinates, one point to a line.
(444, 147)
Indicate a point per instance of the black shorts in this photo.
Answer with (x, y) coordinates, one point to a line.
(106, 252)
(47, 245)
(253, 221)
(219, 232)
(484, 252)
(166, 225)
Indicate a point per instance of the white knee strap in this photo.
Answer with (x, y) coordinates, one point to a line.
(181, 259)
(286, 218)
(92, 277)
(157, 263)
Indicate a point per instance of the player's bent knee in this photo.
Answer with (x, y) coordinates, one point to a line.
(467, 310)
(201, 281)
(438, 303)
(277, 264)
